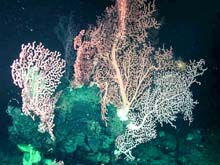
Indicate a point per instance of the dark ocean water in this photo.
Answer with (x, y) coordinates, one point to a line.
(191, 28)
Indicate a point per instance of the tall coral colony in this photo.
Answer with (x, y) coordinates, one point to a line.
(145, 84)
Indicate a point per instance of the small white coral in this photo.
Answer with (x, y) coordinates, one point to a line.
(168, 96)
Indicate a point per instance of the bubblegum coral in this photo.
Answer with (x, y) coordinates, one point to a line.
(145, 84)
(122, 58)
(38, 72)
